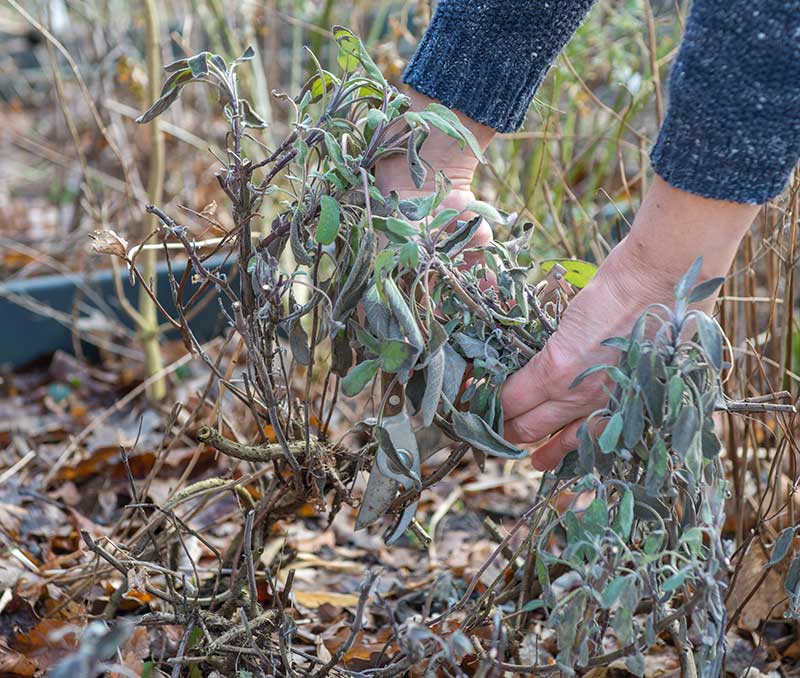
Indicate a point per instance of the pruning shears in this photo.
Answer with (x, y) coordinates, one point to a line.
(397, 463)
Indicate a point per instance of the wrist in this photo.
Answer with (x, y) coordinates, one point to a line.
(673, 228)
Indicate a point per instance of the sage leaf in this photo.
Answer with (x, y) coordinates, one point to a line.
(354, 285)
(610, 436)
(400, 228)
(369, 342)
(619, 343)
(329, 219)
(454, 368)
(397, 355)
(337, 158)
(434, 380)
(402, 313)
(198, 64)
(688, 279)
(161, 105)
(417, 208)
(485, 210)
(474, 430)
(588, 372)
(446, 114)
(586, 449)
(710, 441)
(416, 168)
(409, 255)
(475, 348)
(674, 395)
(532, 605)
(675, 581)
(633, 417)
(178, 65)
(298, 239)
(685, 430)
(612, 591)
(250, 117)
(782, 545)
(248, 54)
(358, 377)
(319, 84)
(624, 519)
(705, 289)
(652, 374)
(791, 583)
(341, 354)
(710, 338)
(595, 519)
(646, 505)
(298, 342)
(443, 218)
(460, 238)
(353, 52)
(570, 466)
(656, 466)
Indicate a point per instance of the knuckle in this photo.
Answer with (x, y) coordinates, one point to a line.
(525, 431)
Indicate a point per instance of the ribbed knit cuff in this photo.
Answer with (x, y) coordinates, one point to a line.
(486, 58)
(732, 131)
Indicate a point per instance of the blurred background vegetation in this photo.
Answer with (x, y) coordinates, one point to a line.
(577, 170)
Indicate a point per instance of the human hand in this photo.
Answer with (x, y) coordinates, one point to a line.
(671, 229)
(538, 400)
(442, 153)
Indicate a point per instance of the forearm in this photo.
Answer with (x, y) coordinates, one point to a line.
(673, 227)
(487, 58)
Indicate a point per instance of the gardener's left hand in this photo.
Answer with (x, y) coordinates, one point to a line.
(671, 229)
(538, 400)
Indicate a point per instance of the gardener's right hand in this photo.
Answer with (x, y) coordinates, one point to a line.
(442, 153)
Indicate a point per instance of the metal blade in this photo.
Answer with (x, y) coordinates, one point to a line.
(381, 489)
(378, 497)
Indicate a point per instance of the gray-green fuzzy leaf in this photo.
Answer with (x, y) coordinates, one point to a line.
(402, 313)
(329, 219)
(705, 289)
(633, 427)
(610, 436)
(474, 430)
(782, 545)
(358, 377)
(454, 368)
(710, 338)
(685, 430)
(434, 380)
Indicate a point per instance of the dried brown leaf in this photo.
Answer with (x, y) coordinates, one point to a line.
(108, 242)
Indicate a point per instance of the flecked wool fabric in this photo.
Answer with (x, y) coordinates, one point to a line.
(732, 129)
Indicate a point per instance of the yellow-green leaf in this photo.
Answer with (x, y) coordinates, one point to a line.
(579, 273)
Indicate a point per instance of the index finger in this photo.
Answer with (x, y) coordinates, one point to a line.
(520, 393)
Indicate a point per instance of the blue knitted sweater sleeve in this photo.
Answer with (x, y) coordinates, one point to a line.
(487, 57)
(732, 129)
